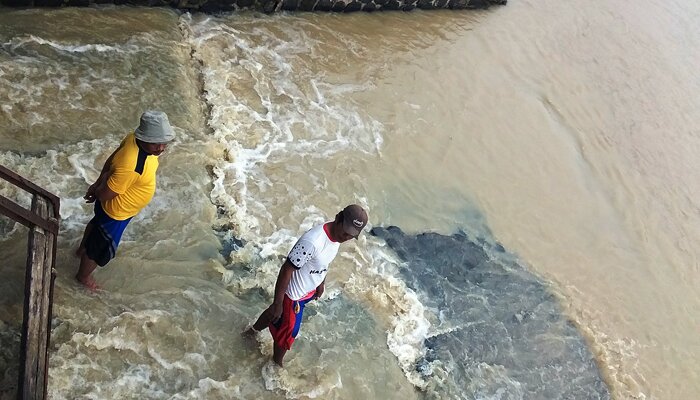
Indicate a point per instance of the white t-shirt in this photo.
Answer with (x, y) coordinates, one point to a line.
(310, 256)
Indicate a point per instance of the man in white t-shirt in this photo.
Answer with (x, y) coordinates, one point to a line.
(303, 275)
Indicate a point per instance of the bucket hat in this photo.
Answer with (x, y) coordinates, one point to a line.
(154, 127)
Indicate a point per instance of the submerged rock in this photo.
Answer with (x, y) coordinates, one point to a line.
(503, 333)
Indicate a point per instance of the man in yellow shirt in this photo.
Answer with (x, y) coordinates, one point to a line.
(125, 186)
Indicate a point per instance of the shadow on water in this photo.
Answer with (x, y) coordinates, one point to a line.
(13, 252)
(501, 333)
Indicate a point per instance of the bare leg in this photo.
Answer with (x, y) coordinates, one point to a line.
(264, 320)
(278, 354)
(84, 275)
(81, 248)
(261, 324)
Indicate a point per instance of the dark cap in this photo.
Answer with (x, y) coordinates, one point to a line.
(354, 219)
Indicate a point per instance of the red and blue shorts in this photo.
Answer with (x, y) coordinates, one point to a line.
(287, 327)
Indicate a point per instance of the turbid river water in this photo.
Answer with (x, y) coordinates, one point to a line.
(537, 164)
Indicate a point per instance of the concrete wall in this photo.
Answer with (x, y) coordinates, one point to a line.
(269, 6)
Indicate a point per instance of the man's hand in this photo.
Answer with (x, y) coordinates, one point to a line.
(90, 195)
(281, 285)
(276, 309)
(319, 290)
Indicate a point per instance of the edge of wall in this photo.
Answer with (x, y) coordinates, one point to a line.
(270, 6)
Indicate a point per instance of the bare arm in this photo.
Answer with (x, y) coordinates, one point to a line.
(104, 193)
(320, 289)
(101, 183)
(283, 279)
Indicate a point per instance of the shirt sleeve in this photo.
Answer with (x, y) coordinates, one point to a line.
(121, 179)
(122, 176)
(301, 253)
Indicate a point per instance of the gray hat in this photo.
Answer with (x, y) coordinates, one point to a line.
(154, 127)
(354, 219)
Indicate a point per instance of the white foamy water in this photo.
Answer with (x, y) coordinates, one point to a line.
(569, 128)
(292, 116)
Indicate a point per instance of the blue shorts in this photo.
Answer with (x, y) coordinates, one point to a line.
(102, 241)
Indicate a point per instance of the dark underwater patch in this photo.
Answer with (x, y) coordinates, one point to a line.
(504, 333)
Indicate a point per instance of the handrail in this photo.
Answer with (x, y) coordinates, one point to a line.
(26, 217)
(30, 187)
(40, 274)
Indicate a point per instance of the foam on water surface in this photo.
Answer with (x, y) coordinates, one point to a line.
(270, 136)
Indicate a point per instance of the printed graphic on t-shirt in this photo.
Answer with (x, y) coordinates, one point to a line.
(301, 253)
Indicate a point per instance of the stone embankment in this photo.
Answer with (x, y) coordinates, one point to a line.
(270, 6)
